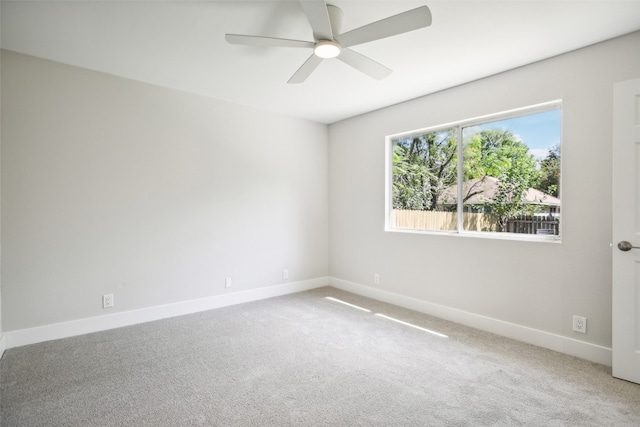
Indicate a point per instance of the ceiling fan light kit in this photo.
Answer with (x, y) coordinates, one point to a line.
(325, 21)
(326, 49)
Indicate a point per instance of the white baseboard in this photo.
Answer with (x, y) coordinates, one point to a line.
(126, 318)
(2, 345)
(573, 347)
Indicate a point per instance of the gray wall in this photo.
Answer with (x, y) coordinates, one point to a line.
(154, 195)
(538, 285)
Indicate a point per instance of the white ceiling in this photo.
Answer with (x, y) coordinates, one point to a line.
(181, 45)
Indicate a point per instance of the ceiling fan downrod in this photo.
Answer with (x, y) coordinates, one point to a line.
(327, 49)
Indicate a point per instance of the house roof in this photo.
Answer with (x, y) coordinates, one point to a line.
(485, 190)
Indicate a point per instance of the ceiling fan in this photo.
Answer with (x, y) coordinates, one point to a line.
(328, 42)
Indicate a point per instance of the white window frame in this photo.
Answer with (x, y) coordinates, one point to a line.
(505, 115)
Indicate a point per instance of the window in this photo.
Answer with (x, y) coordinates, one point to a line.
(499, 176)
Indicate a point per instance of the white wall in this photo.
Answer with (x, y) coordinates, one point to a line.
(536, 285)
(154, 195)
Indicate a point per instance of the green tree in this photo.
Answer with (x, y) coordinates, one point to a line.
(509, 200)
(549, 181)
(489, 153)
(423, 167)
(500, 154)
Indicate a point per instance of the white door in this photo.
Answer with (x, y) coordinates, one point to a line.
(626, 230)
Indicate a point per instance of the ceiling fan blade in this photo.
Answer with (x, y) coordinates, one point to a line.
(364, 64)
(391, 26)
(306, 69)
(318, 17)
(266, 41)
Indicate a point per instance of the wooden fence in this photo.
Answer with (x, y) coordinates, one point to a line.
(447, 221)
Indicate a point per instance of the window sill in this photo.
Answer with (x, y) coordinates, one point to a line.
(482, 235)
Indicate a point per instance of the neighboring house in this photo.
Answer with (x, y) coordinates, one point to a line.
(479, 192)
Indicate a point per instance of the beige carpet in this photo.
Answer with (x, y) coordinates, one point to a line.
(306, 360)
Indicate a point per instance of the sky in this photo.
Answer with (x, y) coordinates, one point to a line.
(539, 131)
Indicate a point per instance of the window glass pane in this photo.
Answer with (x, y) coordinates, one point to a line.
(511, 175)
(423, 167)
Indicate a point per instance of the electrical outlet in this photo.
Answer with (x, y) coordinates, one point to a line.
(376, 279)
(107, 301)
(580, 324)
(227, 282)
(285, 274)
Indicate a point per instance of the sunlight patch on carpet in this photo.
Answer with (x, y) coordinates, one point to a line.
(393, 319)
(412, 325)
(348, 304)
